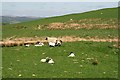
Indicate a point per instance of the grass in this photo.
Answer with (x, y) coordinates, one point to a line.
(101, 33)
(64, 67)
(26, 60)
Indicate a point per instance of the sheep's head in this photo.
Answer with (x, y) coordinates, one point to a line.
(46, 38)
(61, 41)
(47, 59)
(58, 42)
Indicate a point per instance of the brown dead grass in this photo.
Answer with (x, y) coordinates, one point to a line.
(22, 41)
(85, 23)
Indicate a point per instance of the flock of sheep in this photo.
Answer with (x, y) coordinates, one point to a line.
(52, 41)
(51, 61)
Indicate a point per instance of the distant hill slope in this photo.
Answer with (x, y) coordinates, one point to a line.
(100, 23)
(102, 13)
(16, 19)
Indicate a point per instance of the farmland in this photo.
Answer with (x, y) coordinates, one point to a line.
(24, 62)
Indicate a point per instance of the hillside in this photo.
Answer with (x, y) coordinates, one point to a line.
(102, 13)
(105, 19)
(91, 36)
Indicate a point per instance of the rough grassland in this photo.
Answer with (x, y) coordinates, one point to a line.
(26, 61)
(28, 28)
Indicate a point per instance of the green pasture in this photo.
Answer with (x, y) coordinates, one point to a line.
(26, 61)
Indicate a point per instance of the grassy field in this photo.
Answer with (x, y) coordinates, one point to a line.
(26, 61)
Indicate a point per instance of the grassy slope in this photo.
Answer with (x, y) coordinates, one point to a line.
(30, 56)
(9, 30)
(30, 61)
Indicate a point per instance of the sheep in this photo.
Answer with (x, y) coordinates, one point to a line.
(47, 60)
(71, 54)
(43, 60)
(51, 39)
(51, 61)
(52, 44)
(39, 44)
(27, 45)
(58, 43)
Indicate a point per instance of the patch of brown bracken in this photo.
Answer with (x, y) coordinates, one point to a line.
(33, 40)
(85, 23)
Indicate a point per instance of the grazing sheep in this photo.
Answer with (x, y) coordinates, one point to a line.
(71, 54)
(51, 61)
(48, 60)
(51, 39)
(39, 44)
(27, 45)
(45, 60)
(51, 44)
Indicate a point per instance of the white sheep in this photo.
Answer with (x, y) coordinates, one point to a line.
(71, 54)
(48, 60)
(51, 61)
(51, 44)
(39, 44)
(43, 60)
(27, 45)
(51, 39)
